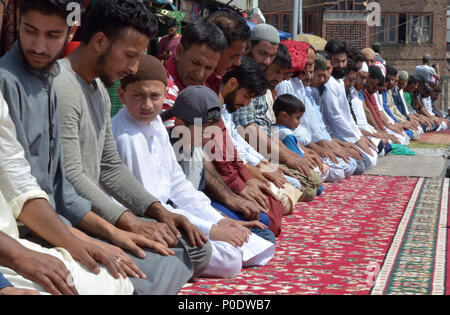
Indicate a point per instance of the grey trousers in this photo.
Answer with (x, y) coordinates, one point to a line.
(166, 275)
(199, 256)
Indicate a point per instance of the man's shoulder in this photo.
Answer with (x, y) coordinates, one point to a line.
(122, 128)
(9, 79)
(118, 124)
(12, 86)
(333, 87)
(425, 68)
(282, 131)
(284, 84)
(9, 73)
(258, 101)
(66, 79)
(164, 38)
(332, 82)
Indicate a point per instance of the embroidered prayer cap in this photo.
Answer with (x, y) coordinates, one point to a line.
(299, 54)
(265, 32)
(197, 104)
(150, 68)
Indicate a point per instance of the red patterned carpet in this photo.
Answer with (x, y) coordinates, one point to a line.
(441, 137)
(338, 243)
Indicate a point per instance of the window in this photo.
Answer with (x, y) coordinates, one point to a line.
(414, 31)
(281, 21)
(308, 22)
(392, 29)
(380, 29)
(405, 28)
(286, 23)
(402, 28)
(275, 20)
(448, 24)
(426, 29)
(345, 5)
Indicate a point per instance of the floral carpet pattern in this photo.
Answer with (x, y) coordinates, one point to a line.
(441, 137)
(416, 262)
(338, 243)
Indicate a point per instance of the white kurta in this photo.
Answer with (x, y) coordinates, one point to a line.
(428, 104)
(402, 138)
(360, 115)
(17, 186)
(336, 113)
(148, 153)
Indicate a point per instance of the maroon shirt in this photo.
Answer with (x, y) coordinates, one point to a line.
(230, 167)
(168, 43)
(372, 105)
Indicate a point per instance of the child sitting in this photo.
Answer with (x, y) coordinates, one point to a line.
(288, 111)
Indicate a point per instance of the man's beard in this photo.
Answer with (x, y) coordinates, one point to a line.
(51, 63)
(230, 101)
(107, 82)
(100, 63)
(339, 73)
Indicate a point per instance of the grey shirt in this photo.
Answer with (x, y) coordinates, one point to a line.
(192, 164)
(92, 162)
(426, 72)
(34, 109)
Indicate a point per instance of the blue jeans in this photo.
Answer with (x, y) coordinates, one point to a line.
(263, 218)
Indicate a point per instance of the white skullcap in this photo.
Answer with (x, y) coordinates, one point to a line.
(365, 67)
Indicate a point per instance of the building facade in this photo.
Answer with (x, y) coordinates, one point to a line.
(279, 14)
(406, 29)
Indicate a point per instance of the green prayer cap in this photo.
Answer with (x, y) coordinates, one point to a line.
(320, 63)
(403, 75)
(376, 47)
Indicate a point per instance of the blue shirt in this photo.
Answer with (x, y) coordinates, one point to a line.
(4, 282)
(399, 102)
(317, 129)
(288, 137)
(361, 95)
(336, 113)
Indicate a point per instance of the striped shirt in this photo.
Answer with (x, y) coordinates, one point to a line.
(175, 86)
